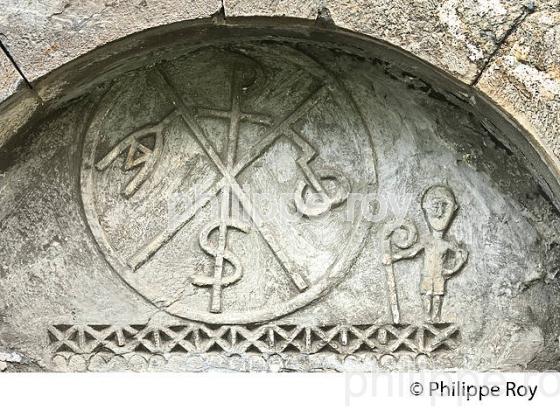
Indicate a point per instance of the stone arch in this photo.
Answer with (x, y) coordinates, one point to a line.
(130, 56)
(34, 81)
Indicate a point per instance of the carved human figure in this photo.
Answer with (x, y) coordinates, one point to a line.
(442, 257)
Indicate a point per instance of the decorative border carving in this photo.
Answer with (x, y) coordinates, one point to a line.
(262, 339)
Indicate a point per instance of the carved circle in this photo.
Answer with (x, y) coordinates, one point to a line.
(313, 111)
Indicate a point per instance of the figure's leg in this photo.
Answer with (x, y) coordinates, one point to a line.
(436, 308)
(427, 301)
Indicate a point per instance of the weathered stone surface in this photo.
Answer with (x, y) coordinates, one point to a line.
(307, 9)
(255, 205)
(524, 78)
(455, 35)
(9, 77)
(43, 35)
(550, 5)
(106, 268)
(15, 112)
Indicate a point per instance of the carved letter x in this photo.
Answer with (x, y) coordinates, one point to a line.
(187, 112)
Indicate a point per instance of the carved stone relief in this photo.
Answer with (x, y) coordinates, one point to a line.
(268, 206)
(439, 206)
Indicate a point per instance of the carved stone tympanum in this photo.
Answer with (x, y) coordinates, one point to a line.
(273, 205)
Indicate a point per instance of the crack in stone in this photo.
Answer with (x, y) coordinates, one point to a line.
(219, 17)
(15, 64)
(28, 85)
(528, 9)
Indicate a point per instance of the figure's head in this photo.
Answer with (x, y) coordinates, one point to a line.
(439, 206)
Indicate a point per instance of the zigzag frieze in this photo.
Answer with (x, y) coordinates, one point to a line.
(265, 339)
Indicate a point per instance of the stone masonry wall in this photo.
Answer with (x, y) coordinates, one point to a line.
(507, 49)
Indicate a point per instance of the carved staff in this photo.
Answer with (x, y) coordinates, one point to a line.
(402, 236)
